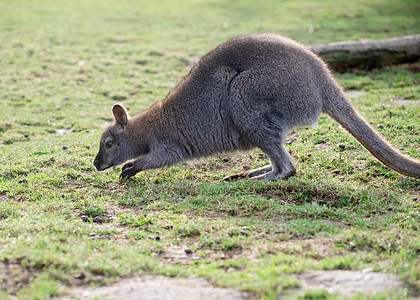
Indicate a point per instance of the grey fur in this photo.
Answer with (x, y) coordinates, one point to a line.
(248, 92)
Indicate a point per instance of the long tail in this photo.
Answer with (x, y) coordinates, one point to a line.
(343, 112)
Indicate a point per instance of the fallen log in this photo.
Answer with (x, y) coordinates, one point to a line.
(342, 56)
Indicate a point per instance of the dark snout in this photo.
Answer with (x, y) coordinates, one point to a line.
(98, 164)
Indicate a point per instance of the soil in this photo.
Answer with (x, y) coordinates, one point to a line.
(13, 276)
(158, 288)
(349, 283)
(353, 94)
(404, 102)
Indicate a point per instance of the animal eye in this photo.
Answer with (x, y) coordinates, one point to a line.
(108, 144)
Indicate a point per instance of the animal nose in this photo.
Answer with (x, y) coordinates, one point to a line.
(95, 162)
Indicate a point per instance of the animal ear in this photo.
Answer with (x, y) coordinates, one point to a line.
(120, 115)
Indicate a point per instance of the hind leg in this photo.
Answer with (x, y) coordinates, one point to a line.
(263, 112)
(281, 166)
(271, 143)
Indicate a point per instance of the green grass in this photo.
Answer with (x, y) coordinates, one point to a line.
(65, 63)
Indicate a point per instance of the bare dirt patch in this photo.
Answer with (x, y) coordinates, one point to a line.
(14, 276)
(349, 283)
(353, 94)
(317, 248)
(184, 255)
(158, 288)
(63, 131)
(179, 254)
(404, 102)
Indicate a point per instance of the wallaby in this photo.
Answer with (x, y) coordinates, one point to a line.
(248, 92)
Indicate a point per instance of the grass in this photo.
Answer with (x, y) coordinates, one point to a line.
(64, 64)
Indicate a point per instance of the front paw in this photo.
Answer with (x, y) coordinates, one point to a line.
(127, 166)
(128, 172)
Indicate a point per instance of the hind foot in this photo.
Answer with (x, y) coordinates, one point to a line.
(250, 174)
(274, 175)
(260, 171)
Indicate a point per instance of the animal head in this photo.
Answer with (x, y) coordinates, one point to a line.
(115, 147)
